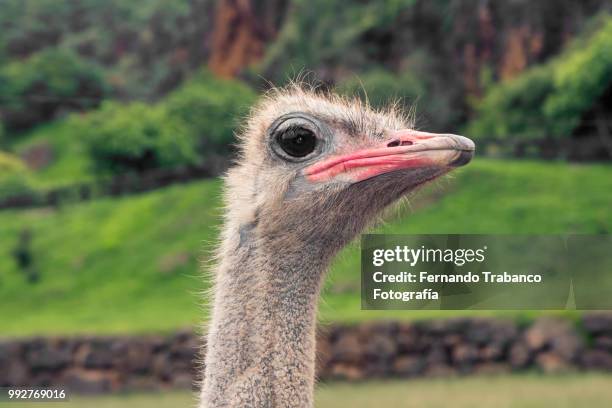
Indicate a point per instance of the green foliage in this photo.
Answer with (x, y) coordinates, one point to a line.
(548, 101)
(581, 77)
(33, 90)
(135, 137)
(146, 47)
(15, 178)
(325, 33)
(186, 127)
(131, 264)
(513, 110)
(381, 87)
(411, 88)
(70, 163)
(210, 109)
(192, 123)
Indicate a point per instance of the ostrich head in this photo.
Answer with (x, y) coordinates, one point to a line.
(317, 169)
(312, 173)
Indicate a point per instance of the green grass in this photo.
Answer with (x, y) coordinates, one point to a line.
(131, 264)
(571, 391)
(70, 163)
(474, 392)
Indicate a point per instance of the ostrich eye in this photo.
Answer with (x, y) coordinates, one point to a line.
(297, 137)
(297, 141)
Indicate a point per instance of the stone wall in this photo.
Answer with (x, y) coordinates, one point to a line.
(370, 350)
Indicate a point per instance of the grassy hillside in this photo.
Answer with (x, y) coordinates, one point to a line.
(69, 161)
(131, 264)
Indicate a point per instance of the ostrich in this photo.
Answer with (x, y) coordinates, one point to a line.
(313, 171)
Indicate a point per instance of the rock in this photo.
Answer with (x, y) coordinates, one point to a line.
(48, 355)
(489, 331)
(503, 332)
(603, 343)
(83, 381)
(347, 348)
(552, 363)
(184, 336)
(334, 332)
(596, 360)
(376, 368)
(484, 346)
(465, 354)
(491, 352)
(453, 340)
(343, 371)
(436, 356)
(555, 335)
(185, 351)
(162, 368)
(536, 337)
(408, 366)
(323, 356)
(183, 381)
(159, 344)
(380, 347)
(597, 323)
(567, 345)
(14, 370)
(10, 350)
(408, 340)
(42, 379)
(97, 354)
(138, 358)
(520, 356)
(14, 373)
(180, 366)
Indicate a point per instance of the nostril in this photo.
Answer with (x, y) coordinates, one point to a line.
(398, 142)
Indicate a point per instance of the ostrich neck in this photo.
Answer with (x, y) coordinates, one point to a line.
(261, 340)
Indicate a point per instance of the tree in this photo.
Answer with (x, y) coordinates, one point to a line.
(549, 102)
(35, 89)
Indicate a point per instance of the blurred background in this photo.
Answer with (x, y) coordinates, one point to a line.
(117, 117)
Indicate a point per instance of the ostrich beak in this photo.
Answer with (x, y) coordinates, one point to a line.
(403, 149)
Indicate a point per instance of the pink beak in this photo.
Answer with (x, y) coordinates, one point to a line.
(404, 149)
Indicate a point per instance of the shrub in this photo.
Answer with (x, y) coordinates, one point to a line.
(512, 112)
(547, 103)
(192, 123)
(35, 89)
(382, 87)
(580, 79)
(15, 178)
(135, 137)
(327, 33)
(209, 108)
(410, 88)
(146, 47)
